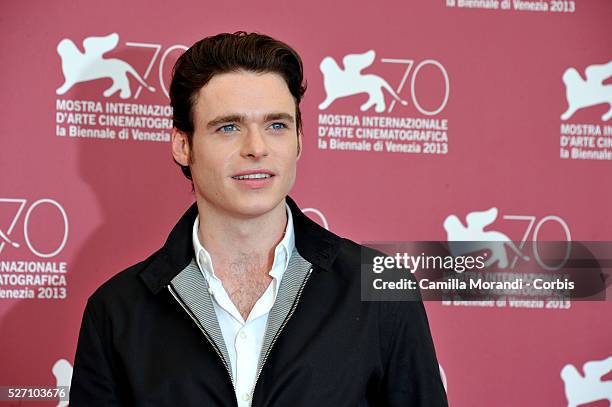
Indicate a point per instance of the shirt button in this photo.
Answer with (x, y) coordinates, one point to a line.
(242, 335)
(246, 396)
(211, 291)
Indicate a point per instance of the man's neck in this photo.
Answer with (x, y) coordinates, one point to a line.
(231, 239)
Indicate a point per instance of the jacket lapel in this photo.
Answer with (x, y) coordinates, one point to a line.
(291, 282)
(192, 287)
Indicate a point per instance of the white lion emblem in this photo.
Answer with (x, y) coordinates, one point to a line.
(91, 65)
(581, 389)
(494, 241)
(62, 370)
(582, 93)
(350, 81)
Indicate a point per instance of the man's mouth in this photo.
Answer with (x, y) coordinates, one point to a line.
(257, 174)
(253, 176)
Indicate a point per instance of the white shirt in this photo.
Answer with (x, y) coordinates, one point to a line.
(244, 339)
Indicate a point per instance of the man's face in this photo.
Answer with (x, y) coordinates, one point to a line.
(245, 144)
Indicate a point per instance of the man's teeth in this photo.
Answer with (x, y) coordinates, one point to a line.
(252, 176)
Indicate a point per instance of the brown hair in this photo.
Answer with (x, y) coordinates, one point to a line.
(224, 53)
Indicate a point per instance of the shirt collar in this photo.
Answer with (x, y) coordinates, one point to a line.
(313, 242)
(282, 252)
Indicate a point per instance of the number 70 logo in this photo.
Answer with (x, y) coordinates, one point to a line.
(23, 203)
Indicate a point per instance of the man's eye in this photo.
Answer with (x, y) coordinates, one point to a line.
(278, 126)
(227, 128)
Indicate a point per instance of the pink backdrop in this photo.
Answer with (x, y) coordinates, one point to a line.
(488, 80)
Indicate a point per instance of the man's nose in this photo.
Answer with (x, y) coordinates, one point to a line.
(254, 144)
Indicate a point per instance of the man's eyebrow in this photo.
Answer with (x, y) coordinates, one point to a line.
(278, 116)
(224, 119)
(233, 117)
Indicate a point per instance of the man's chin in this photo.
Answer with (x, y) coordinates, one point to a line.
(252, 207)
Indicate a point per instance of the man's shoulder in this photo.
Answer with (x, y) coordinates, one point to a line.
(124, 285)
(352, 251)
(350, 257)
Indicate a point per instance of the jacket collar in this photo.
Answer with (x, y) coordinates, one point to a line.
(313, 242)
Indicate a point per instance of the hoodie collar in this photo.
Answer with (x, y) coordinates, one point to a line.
(313, 242)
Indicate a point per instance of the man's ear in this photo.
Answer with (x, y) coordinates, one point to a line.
(180, 147)
(299, 147)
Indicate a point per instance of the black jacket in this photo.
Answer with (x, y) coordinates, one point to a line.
(148, 337)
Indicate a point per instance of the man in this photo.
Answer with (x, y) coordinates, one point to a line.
(249, 302)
